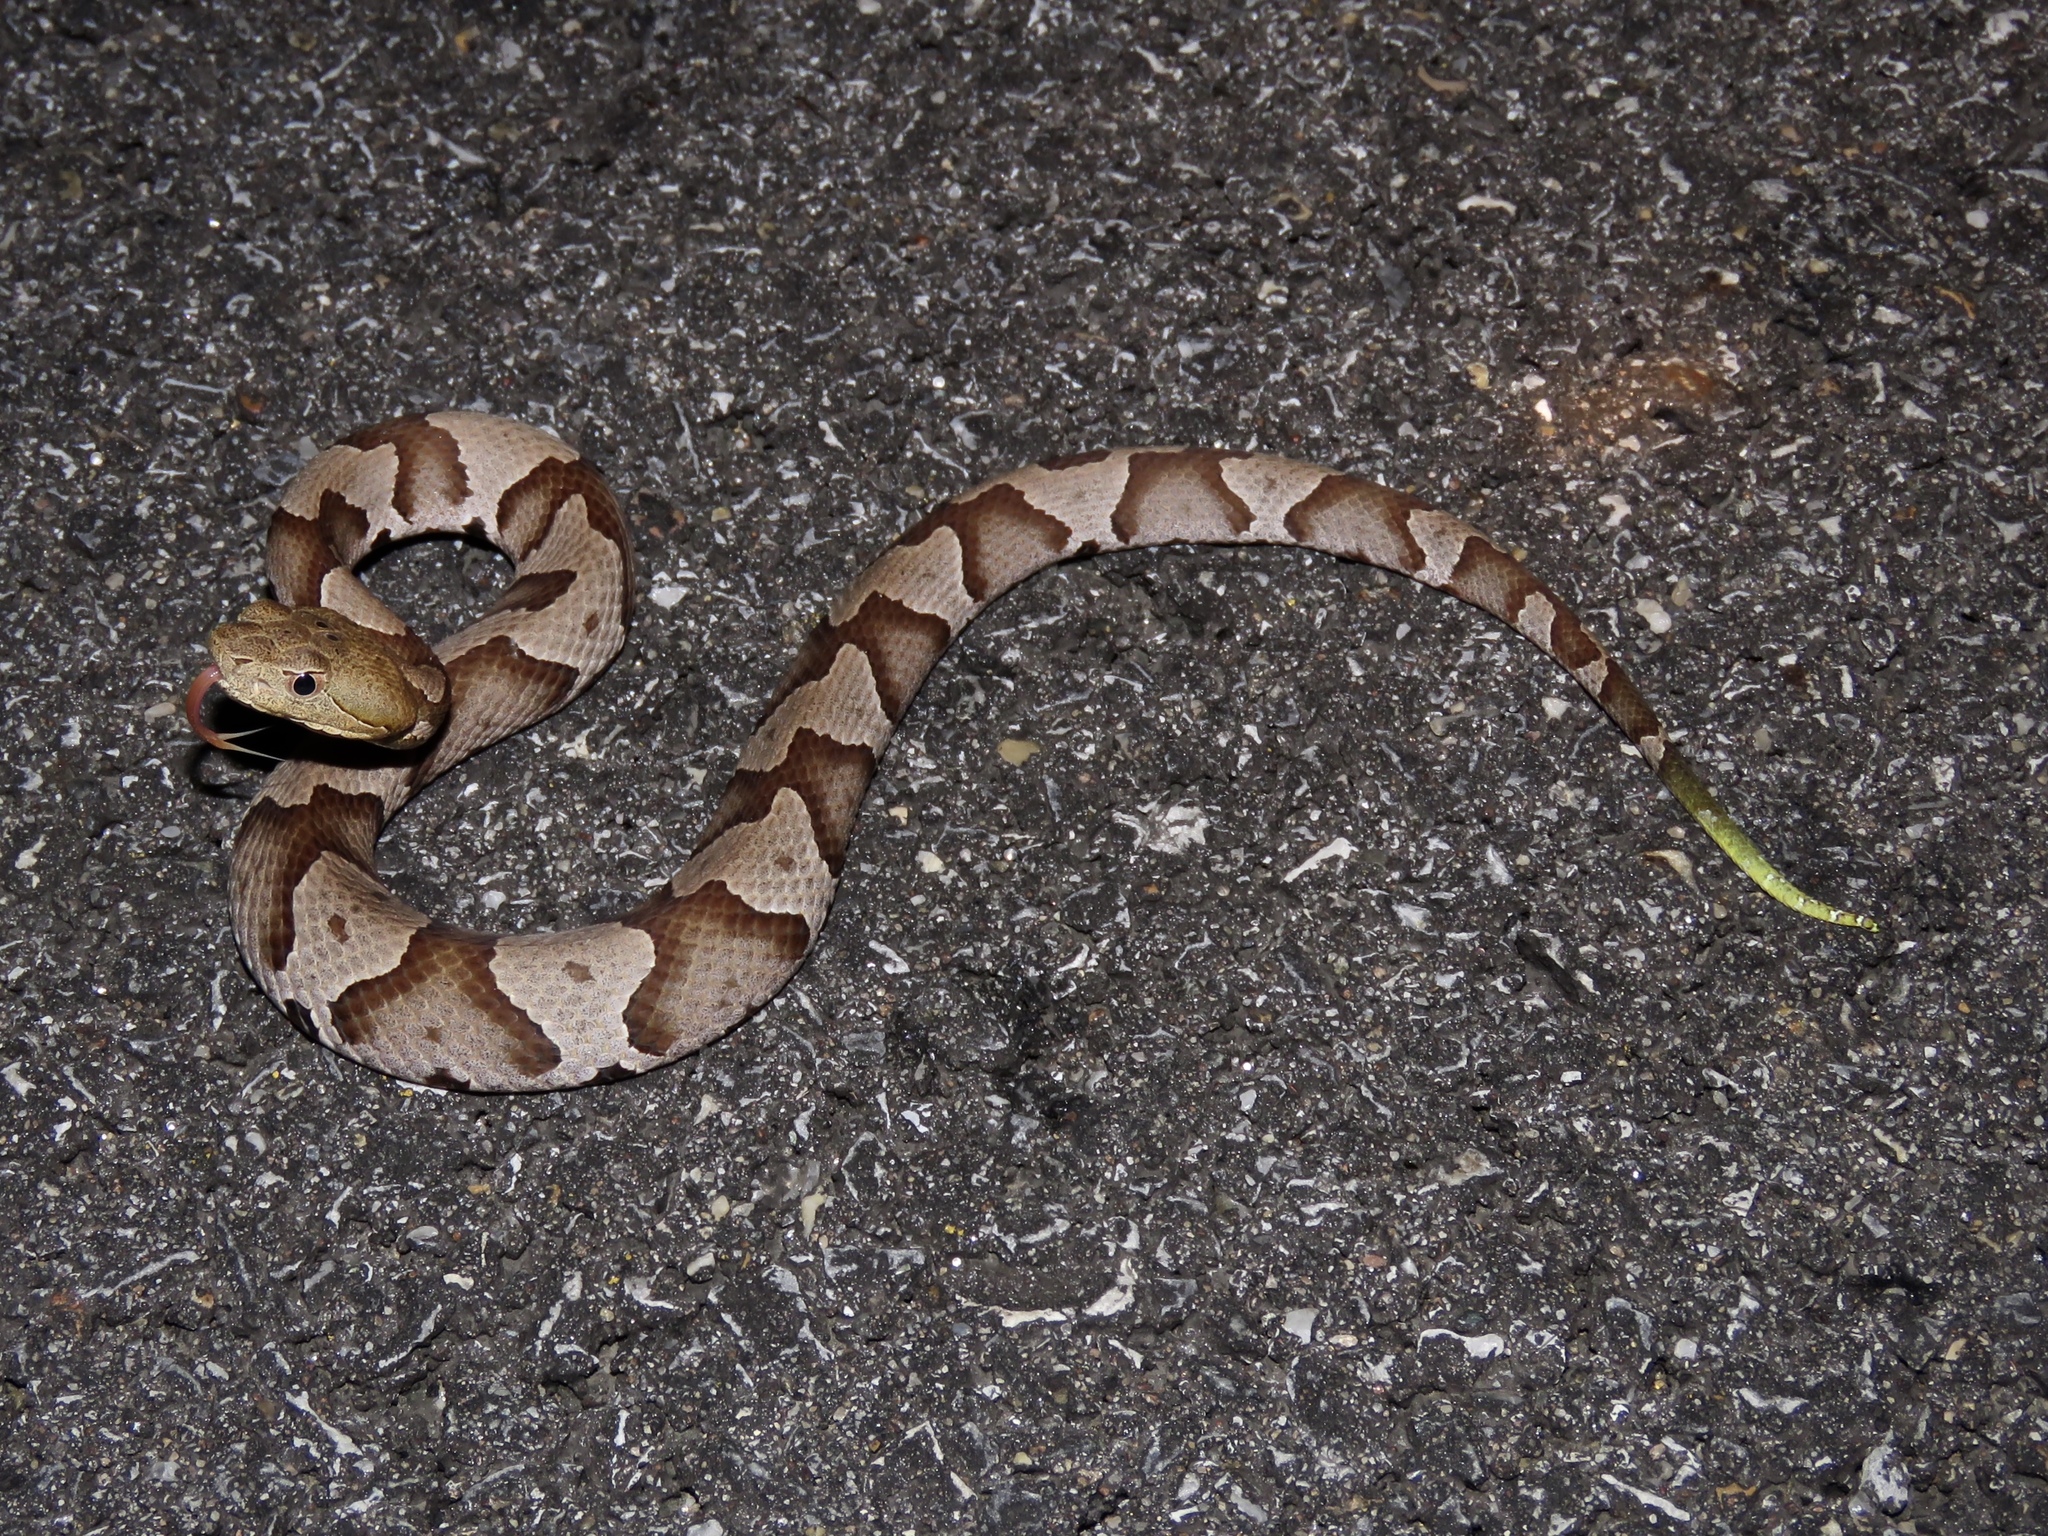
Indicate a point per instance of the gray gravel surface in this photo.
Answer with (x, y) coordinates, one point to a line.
(1483, 1175)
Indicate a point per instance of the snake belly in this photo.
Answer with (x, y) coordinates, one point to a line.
(368, 976)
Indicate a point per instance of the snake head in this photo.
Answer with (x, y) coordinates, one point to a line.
(329, 674)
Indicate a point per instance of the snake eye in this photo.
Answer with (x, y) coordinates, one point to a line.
(305, 685)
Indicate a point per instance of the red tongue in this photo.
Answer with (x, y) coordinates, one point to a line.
(195, 699)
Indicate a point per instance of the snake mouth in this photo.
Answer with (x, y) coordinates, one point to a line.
(195, 716)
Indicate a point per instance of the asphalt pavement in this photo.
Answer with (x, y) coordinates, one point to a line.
(1277, 1062)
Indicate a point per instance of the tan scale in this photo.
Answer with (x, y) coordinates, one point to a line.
(365, 480)
(345, 595)
(1271, 488)
(576, 986)
(1442, 539)
(843, 705)
(1535, 619)
(348, 928)
(925, 578)
(589, 625)
(773, 865)
(1083, 496)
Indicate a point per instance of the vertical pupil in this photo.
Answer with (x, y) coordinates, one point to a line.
(303, 684)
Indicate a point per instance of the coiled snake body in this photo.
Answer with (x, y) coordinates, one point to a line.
(370, 977)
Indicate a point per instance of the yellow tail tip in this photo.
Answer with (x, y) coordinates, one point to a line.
(1738, 845)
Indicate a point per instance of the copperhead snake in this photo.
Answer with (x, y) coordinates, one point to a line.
(366, 975)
